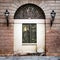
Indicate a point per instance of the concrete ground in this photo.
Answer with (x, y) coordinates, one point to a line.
(30, 58)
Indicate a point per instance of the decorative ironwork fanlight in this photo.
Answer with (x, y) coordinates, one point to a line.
(29, 11)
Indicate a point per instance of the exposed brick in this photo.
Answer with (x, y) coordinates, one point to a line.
(6, 39)
(6, 1)
(53, 42)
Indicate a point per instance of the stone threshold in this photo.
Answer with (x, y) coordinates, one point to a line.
(28, 54)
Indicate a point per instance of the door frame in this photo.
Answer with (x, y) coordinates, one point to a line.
(39, 47)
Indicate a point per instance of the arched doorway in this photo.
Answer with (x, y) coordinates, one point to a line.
(29, 29)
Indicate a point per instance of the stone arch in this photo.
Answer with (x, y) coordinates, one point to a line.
(29, 11)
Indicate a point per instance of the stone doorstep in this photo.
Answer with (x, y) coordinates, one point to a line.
(28, 54)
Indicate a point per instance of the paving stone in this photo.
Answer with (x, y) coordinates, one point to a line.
(30, 58)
